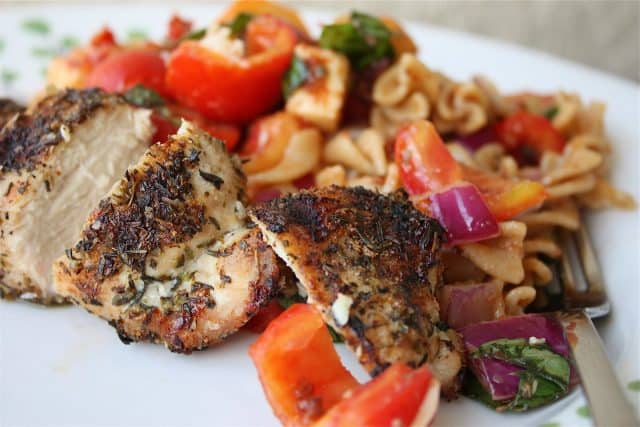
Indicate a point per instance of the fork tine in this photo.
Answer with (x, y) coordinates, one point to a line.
(588, 260)
(582, 285)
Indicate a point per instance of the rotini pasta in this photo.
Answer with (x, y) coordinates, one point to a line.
(573, 173)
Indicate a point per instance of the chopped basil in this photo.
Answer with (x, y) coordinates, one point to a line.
(335, 337)
(212, 178)
(364, 39)
(538, 359)
(545, 377)
(287, 301)
(296, 76)
(551, 112)
(239, 24)
(196, 34)
(143, 96)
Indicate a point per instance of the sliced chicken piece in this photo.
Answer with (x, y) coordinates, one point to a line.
(371, 264)
(8, 109)
(57, 160)
(167, 256)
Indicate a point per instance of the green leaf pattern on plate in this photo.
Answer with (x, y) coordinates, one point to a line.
(583, 411)
(634, 385)
(68, 42)
(136, 34)
(36, 26)
(43, 51)
(8, 76)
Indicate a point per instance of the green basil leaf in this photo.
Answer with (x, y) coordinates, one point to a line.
(551, 112)
(296, 76)
(473, 388)
(335, 337)
(534, 391)
(143, 96)
(364, 39)
(239, 24)
(539, 359)
(288, 301)
(196, 34)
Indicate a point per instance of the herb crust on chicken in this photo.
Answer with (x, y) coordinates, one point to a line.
(168, 256)
(57, 160)
(371, 264)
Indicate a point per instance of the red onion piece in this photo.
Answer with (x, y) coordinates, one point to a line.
(477, 139)
(463, 212)
(267, 194)
(466, 304)
(496, 375)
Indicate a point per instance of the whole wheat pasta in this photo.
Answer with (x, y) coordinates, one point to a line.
(517, 299)
(501, 257)
(301, 156)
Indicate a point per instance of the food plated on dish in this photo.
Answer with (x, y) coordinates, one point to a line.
(352, 199)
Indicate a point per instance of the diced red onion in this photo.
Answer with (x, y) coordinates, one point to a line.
(496, 376)
(465, 304)
(477, 139)
(266, 195)
(304, 182)
(464, 214)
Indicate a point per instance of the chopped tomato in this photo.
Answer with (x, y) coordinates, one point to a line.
(103, 38)
(506, 199)
(424, 161)
(305, 182)
(526, 136)
(264, 195)
(230, 134)
(267, 140)
(264, 7)
(123, 70)
(299, 368)
(532, 102)
(164, 128)
(261, 320)
(400, 40)
(400, 396)
(178, 27)
(234, 89)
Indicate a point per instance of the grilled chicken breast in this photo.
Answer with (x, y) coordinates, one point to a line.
(8, 109)
(57, 159)
(167, 256)
(371, 264)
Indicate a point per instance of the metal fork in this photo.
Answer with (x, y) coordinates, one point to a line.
(583, 297)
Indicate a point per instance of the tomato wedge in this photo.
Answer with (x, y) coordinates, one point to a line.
(266, 315)
(228, 88)
(164, 128)
(527, 136)
(178, 27)
(298, 366)
(424, 161)
(122, 70)
(230, 134)
(400, 396)
(506, 199)
(267, 140)
(265, 7)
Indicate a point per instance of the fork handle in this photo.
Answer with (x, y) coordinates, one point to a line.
(609, 406)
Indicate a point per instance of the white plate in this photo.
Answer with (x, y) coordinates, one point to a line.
(63, 367)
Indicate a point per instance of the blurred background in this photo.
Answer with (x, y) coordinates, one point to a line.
(601, 34)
